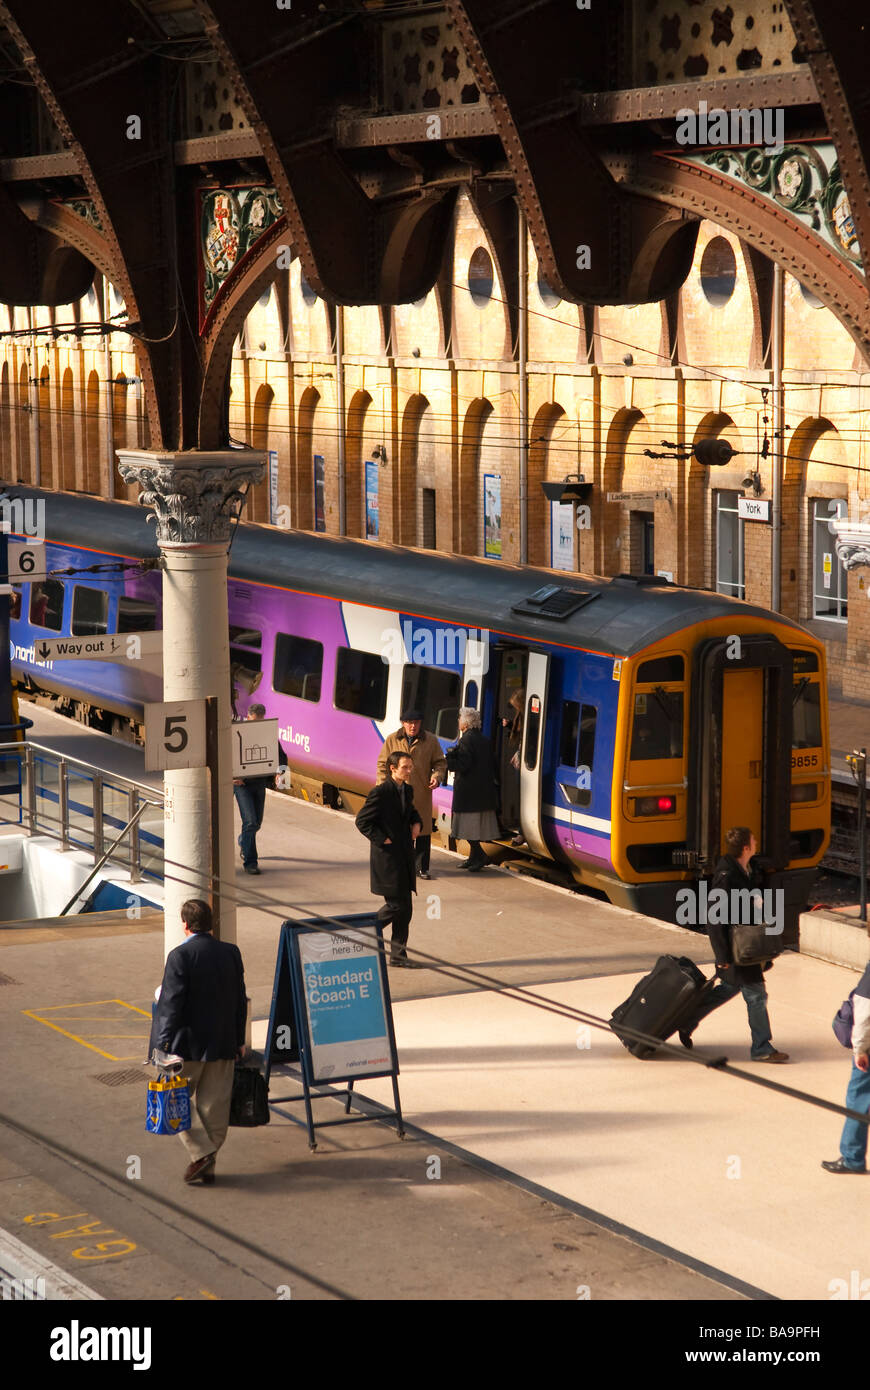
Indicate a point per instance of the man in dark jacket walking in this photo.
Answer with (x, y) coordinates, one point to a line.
(738, 870)
(201, 1017)
(391, 821)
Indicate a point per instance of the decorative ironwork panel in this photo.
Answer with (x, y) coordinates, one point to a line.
(676, 40)
(425, 64)
(803, 179)
(232, 220)
(211, 105)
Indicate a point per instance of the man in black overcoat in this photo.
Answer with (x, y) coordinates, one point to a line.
(201, 1016)
(391, 821)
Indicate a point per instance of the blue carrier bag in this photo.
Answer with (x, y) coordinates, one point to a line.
(844, 1020)
(168, 1105)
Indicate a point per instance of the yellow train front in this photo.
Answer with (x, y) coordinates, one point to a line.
(723, 723)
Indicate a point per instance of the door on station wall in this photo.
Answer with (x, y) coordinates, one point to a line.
(743, 737)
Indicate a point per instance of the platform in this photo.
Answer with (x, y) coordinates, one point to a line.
(562, 1167)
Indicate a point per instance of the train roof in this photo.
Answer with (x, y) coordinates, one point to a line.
(619, 616)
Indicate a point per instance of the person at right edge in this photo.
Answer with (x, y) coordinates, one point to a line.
(737, 869)
(853, 1140)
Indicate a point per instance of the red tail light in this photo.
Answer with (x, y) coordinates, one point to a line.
(655, 805)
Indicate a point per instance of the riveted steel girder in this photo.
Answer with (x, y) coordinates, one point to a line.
(595, 242)
(768, 228)
(36, 267)
(835, 36)
(292, 70)
(108, 95)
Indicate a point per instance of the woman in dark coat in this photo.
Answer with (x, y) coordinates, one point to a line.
(474, 794)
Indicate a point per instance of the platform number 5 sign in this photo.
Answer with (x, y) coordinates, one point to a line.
(175, 735)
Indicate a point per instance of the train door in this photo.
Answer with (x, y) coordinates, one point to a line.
(743, 737)
(532, 754)
(741, 745)
(510, 714)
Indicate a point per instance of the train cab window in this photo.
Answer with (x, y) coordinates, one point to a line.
(660, 669)
(298, 667)
(136, 614)
(436, 694)
(46, 604)
(806, 714)
(90, 611)
(361, 683)
(657, 729)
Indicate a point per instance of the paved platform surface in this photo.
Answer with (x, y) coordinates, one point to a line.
(545, 1146)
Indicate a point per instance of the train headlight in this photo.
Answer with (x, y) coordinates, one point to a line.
(805, 791)
(655, 805)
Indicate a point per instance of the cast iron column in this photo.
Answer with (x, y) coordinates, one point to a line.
(195, 497)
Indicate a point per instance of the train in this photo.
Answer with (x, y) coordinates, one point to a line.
(655, 716)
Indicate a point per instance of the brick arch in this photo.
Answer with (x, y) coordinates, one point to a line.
(608, 517)
(805, 477)
(543, 467)
(355, 455)
(46, 437)
(91, 469)
(304, 489)
(67, 435)
(23, 423)
(405, 502)
(700, 557)
(258, 499)
(476, 417)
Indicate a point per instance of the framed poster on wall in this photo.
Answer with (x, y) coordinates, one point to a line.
(492, 516)
(273, 486)
(319, 493)
(372, 515)
(562, 532)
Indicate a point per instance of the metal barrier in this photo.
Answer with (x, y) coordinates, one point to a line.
(89, 802)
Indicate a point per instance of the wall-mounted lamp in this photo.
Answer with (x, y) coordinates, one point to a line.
(573, 488)
(753, 480)
(380, 453)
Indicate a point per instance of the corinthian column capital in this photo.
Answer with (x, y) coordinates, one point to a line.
(853, 542)
(196, 496)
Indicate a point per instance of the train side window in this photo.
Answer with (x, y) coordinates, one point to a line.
(298, 666)
(533, 726)
(657, 730)
(806, 714)
(245, 637)
(436, 694)
(90, 611)
(46, 604)
(136, 614)
(361, 683)
(470, 701)
(568, 735)
(588, 721)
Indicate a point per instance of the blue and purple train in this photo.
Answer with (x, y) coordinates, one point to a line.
(655, 716)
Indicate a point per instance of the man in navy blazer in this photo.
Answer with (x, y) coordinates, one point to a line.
(201, 1017)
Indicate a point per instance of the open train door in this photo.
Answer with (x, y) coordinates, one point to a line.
(741, 742)
(532, 753)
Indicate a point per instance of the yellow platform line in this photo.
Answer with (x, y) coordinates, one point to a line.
(50, 1008)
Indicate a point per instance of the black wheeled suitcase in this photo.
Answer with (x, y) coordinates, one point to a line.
(660, 1003)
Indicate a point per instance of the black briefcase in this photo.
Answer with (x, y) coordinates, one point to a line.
(753, 944)
(249, 1105)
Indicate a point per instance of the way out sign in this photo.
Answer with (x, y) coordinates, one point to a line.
(175, 735)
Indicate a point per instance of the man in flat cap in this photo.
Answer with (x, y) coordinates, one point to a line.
(430, 769)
